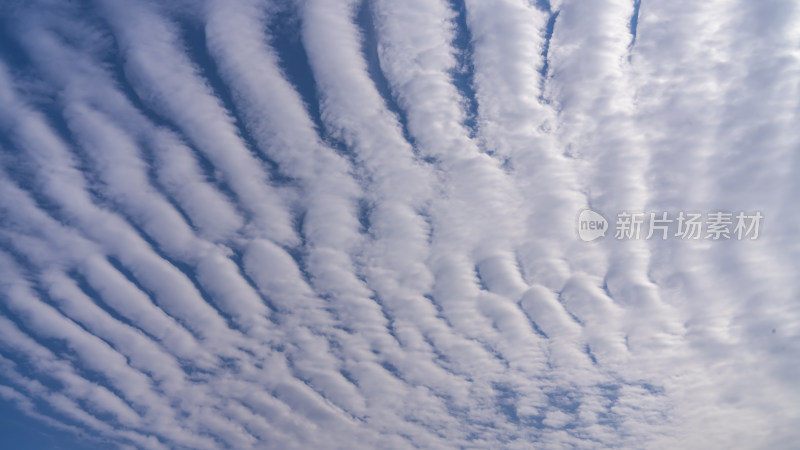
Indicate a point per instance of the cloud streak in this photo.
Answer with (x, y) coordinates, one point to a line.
(351, 224)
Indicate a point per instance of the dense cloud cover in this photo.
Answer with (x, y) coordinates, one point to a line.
(352, 224)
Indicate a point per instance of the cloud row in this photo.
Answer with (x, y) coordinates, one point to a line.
(351, 224)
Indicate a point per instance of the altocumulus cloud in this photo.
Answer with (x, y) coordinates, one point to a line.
(351, 224)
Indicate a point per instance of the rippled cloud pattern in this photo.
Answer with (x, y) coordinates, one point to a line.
(352, 224)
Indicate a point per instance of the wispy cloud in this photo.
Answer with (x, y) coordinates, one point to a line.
(351, 224)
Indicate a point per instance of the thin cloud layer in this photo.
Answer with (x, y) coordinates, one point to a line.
(352, 224)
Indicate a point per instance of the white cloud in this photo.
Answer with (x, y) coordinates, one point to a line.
(344, 224)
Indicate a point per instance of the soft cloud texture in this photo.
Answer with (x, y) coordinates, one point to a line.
(351, 224)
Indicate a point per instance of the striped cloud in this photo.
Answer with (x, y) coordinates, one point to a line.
(354, 224)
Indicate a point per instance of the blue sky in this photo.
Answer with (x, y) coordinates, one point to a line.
(20, 431)
(352, 224)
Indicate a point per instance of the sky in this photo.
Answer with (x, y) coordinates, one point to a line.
(363, 224)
